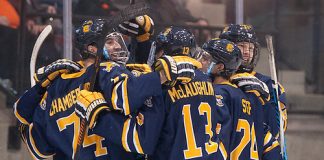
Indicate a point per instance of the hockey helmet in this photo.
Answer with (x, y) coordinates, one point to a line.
(88, 34)
(175, 41)
(243, 33)
(223, 51)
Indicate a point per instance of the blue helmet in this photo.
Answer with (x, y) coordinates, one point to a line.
(88, 34)
(175, 41)
(226, 52)
(243, 33)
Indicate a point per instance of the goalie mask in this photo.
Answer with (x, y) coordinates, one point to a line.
(225, 52)
(115, 48)
(245, 38)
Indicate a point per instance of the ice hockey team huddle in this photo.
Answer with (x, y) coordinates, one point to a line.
(165, 100)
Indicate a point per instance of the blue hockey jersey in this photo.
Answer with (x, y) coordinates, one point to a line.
(191, 126)
(246, 130)
(54, 127)
(271, 111)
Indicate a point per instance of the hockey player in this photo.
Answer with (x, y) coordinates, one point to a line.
(243, 129)
(244, 36)
(189, 106)
(53, 128)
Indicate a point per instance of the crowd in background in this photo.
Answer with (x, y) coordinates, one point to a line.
(36, 14)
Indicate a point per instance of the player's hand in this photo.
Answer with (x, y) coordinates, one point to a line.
(172, 70)
(249, 83)
(142, 27)
(90, 105)
(46, 74)
(139, 69)
(186, 68)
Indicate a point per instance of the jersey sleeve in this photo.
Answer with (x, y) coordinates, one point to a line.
(283, 102)
(34, 137)
(125, 92)
(138, 132)
(25, 106)
(271, 147)
(225, 124)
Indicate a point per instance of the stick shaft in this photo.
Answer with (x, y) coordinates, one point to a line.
(41, 38)
(276, 92)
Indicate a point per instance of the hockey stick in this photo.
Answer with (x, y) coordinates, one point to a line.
(276, 95)
(130, 12)
(41, 38)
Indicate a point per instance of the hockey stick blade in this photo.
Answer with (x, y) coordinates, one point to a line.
(41, 38)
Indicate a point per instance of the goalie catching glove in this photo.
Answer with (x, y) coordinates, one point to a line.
(249, 83)
(175, 69)
(142, 27)
(90, 105)
(47, 74)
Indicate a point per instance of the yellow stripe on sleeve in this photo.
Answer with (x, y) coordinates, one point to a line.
(274, 145)
(20, 118)
(223, 150)
(136, 141)
(124, 135)
(125, 97)
(32, 142)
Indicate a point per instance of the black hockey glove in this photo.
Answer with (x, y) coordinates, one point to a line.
(249, 83)
(46, 74)
(90, 105)
(142, 27)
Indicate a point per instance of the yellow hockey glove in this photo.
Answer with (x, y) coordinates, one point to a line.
(90, 105)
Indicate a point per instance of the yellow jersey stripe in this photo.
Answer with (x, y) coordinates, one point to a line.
(223, 150)
(125, 97)
(267, 138)
(274, 145)
(124, 135)
(32, 142)
(136, 141)
(20, 118)
(114, 97)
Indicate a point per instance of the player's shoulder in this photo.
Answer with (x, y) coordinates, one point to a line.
(109, 66)
(262, 77)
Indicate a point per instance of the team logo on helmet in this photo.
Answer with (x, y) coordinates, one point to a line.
(245, 26)
(229, 47)
(86, 27)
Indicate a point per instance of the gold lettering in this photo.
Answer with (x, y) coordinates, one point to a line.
(194, 91)
(173, 94)
(188, 91)
(65, 101)
(60, 105)
(183, 93)
(53, 110)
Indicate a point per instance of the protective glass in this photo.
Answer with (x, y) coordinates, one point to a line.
(115, 48)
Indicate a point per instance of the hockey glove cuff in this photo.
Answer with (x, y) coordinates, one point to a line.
(90, 105)
(251, 84)
(47, 74)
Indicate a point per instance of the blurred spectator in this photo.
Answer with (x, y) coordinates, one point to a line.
(202, 35)
(8, 15)
(9, 22)
(95, 7)
(172, 11)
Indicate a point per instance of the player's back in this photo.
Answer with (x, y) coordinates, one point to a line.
(242, 141)
(63, 125)
(189, 130)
